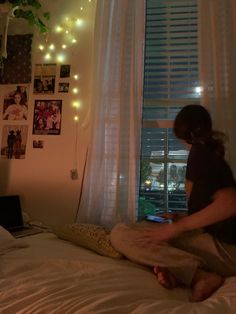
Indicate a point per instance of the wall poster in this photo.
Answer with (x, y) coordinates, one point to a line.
(47, 117)
(65, 70)
(63, 87)
(44, 78)
(14, 139)
(15, 104)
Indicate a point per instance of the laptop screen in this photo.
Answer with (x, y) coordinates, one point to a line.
(10, 212)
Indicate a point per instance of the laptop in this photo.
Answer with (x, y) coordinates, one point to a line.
(11, 217)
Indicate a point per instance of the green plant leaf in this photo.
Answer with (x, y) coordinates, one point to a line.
(46, 15)
(32, 17)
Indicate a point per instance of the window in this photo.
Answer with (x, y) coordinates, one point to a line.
(170, 82)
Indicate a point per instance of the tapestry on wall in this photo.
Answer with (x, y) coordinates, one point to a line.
(17, 67)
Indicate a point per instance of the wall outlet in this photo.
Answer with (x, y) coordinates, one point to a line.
(74, 174)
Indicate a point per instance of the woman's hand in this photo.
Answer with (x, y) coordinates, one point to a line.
(159, 233)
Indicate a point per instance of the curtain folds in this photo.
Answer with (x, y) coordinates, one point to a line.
(109, 192)
(217, 33)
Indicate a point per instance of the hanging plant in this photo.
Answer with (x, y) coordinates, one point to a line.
(26, 9)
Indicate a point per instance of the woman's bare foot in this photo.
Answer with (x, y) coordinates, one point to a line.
(204, 285)
(165, 278)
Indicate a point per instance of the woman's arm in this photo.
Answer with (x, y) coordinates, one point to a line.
(222, 208)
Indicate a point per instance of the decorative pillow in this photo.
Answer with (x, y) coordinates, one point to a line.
(93, 237)
(8, 242)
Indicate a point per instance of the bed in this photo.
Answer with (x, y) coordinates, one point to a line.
(52, 273)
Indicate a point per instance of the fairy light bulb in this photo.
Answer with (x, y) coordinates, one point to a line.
(76, 118)
(75, 90)
(78, 22)
(76, 104)
(60, 58)
(76, 76)
(52, 47)
(41, 47)
(47, 56)
(58, 29)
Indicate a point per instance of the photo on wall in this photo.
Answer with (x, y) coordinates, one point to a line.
(14, 139)
(44, 78)
(65, 70)
(47, 117)
(15, 103)
(38, 144)
(63, 87)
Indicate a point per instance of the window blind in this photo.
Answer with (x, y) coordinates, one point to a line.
(170, 82)
(171, 52)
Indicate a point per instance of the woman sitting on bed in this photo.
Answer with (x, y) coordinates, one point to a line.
(207, 252)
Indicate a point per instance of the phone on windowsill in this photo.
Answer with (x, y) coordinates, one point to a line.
(158, 219)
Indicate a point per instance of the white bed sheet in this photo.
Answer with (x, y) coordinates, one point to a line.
(54, 276)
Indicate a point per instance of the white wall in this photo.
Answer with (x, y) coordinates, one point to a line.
(42, 179)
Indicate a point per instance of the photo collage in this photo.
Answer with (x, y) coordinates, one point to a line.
(47, 112)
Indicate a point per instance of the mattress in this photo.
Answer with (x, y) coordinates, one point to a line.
(50, 275)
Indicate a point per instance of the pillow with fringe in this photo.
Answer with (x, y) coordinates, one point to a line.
(90, 236)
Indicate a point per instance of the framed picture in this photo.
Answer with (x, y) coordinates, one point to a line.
(15, 104)
(14, 139)
(65, 70)
(38, 144)
(63, 87)
(44, 78)
(47, 117)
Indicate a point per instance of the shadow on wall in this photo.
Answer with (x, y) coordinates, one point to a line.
(4, 176)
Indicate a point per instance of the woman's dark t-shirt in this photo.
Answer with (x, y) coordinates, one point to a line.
(209, 173)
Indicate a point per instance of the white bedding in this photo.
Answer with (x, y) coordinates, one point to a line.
(54, 276)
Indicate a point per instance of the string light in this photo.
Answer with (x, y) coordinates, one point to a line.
(76, 104)
(61, 58)
(58, 29)
(52, 47)
(79, 22)
(75, 90)
(41, 47)
(66, 31)
(47, 56)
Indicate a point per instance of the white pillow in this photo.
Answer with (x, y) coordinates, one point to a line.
(8, 242)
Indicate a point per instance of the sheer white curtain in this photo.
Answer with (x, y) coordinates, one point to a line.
(109, 192)
(217, 20)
